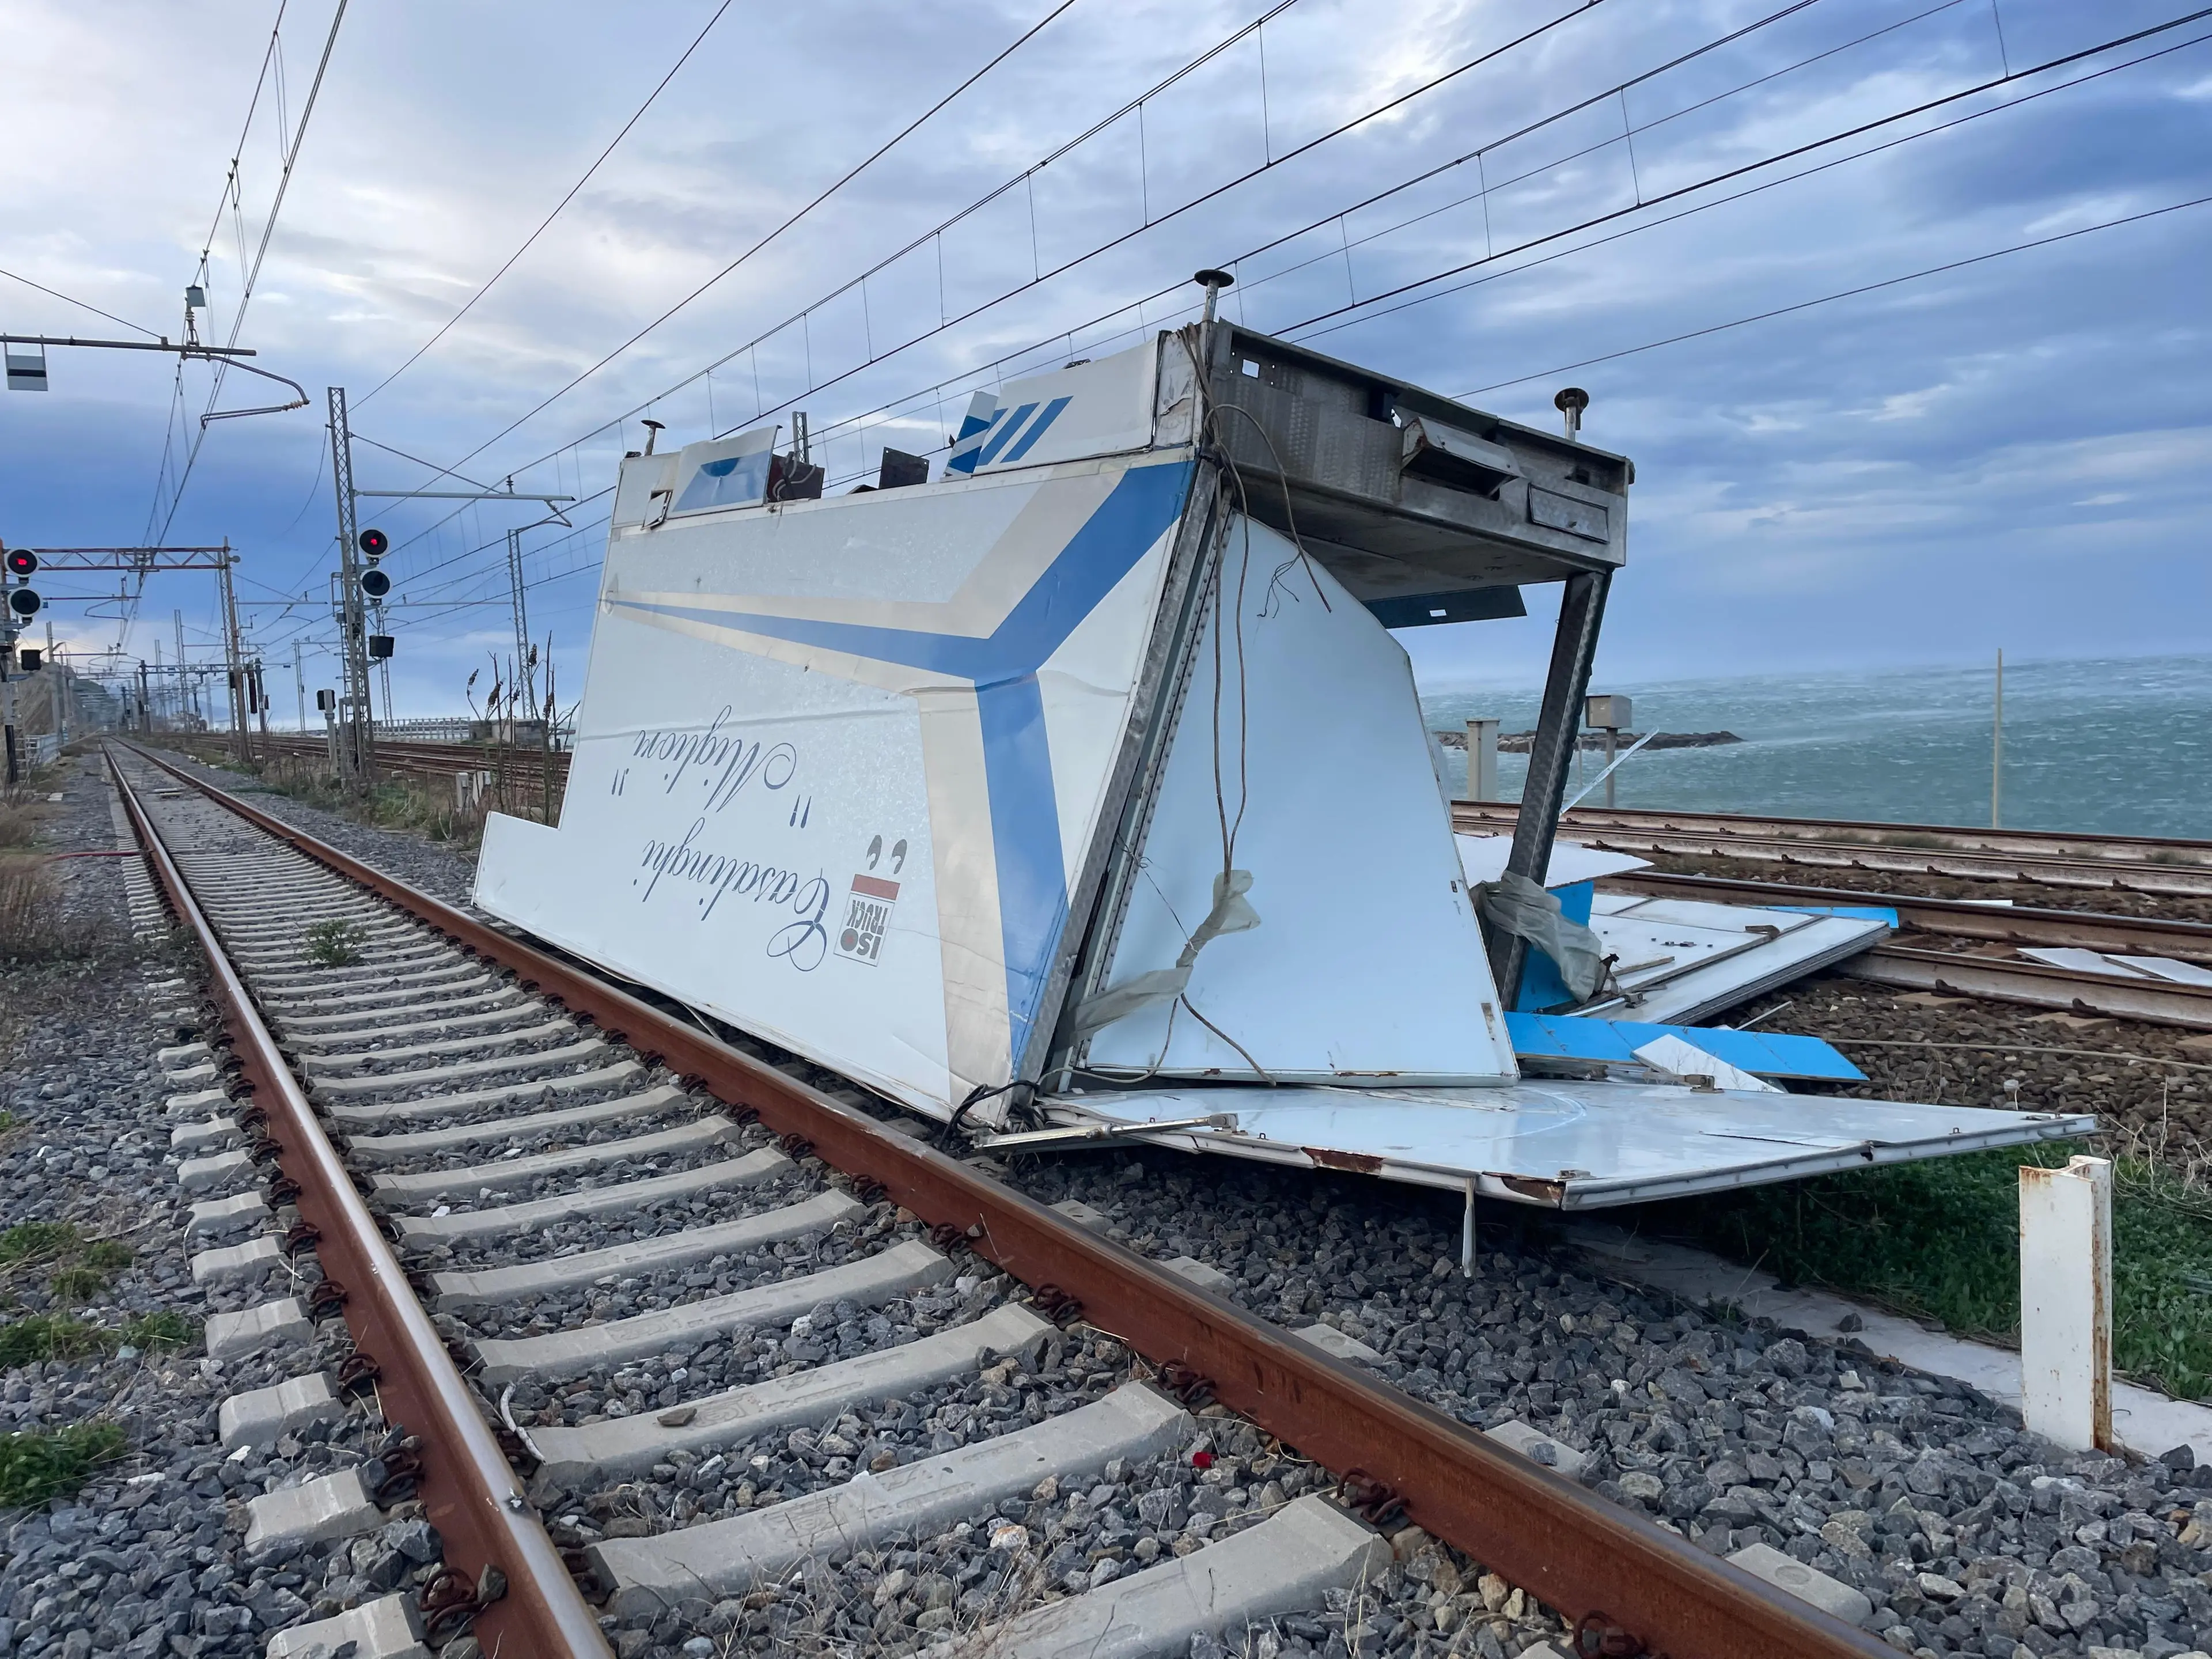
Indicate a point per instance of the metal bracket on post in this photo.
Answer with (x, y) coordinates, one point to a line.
(1551, 754)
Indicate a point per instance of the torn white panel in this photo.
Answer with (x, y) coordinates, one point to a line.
(1308, 746)
(2097, 961)
(1681, 961)
(1483, 857)
(1568, 1145)
(1682, 1062)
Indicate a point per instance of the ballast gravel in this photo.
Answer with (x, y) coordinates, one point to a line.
(147, 1558)
(1967, 1535)
(621, 1296)
(443, 870)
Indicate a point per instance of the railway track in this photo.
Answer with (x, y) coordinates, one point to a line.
(2117, 863)
(2035, 843)
(580, 1243)
(522, 767)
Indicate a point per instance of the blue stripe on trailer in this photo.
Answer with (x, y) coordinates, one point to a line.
(1762, 1054)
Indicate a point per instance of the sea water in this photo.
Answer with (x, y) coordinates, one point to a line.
(2118, 747)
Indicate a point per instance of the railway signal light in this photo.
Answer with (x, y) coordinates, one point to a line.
(373, 543)
(23, 602)
(375, 583)
(29, 660)
(22, 561)
(380, 647)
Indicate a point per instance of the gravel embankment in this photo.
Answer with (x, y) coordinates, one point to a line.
(148, 1557)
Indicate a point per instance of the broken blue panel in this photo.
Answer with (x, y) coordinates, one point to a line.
(1762, 1054)
(1858, 911)
(1541, 984)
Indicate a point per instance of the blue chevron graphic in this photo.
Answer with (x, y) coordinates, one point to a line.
(1003, 666)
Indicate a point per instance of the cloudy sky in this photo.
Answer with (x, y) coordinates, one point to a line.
(2012, 452)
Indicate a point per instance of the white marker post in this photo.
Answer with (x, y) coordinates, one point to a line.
(2066, 1302)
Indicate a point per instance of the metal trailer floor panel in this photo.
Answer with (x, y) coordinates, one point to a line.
(1569, 1145)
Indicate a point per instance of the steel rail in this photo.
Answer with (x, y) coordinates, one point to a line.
(426, 758)
(470, 1493)
(2044, 843)
(1629, 1586)
(2115, 875)
(2036, 984)
(2017, 924)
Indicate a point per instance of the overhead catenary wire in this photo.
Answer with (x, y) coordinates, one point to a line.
(1983, 87)
(1753, 190)
(1043, 276)
(761, 243)
(253, 273)
(82, 305)
(1018, 180)
(507, 265)
(1846, 293)
(999, 362)
(1854, 130)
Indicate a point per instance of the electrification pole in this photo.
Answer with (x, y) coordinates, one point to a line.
(234, 655)
(299, 683)
(520, 607)
(183, 685)
(357, 730)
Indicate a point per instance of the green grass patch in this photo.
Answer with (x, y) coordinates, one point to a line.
(41, 1337)
(166, 1330)
(80, 1268)
(1940, 1240)
(38, 1464)
(78, 1285)
(38, 1338)
(31, 1241)
(334, 944)
(10, 1121)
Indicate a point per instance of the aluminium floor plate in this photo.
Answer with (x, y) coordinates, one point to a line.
(1569, 1145)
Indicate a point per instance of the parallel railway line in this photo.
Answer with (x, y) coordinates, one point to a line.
(2113, 864)
(525, 1187)
(1861, 834)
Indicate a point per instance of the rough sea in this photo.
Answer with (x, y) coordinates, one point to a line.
(2121, 747)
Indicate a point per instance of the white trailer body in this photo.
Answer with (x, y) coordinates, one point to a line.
(1088, 773)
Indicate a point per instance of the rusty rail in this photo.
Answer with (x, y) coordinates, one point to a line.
(2034, 985)
(1868, 833)
(469, 1492)
(1629, 1586)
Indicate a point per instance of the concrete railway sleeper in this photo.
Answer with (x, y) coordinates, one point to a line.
(749, 1348)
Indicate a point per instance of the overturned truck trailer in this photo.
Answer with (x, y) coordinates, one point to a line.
(1086, 784)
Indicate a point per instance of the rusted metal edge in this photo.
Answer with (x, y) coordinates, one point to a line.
(2125, 849)
(469, 1492)
(1586, 1558)
(2010, 924)
(2035, 984)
